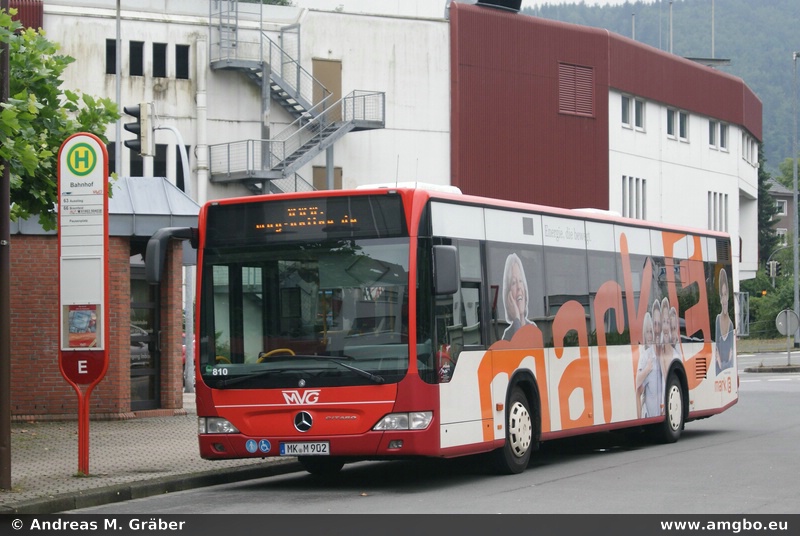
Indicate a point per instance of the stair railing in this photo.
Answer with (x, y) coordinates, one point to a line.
(292, 77)
(356, 106)
(248, 156)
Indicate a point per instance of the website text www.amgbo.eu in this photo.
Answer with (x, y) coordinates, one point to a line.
(734, 527)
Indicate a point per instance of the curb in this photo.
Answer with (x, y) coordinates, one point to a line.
(148, 488)
(774, 368)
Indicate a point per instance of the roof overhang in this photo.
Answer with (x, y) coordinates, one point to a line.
(138, 207)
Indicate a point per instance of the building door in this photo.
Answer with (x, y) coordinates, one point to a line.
(329, 73)
(145, 327)
(321, 178)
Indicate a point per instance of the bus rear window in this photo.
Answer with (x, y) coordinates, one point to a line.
(308, 219)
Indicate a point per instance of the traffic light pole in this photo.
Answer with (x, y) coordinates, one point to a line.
(189, 275)
(796, 236)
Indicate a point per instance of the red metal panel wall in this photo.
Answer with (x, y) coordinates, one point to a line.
(30, 12)
(663, 77)
(509, 140)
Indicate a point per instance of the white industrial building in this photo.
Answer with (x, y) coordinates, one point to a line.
(193, 60)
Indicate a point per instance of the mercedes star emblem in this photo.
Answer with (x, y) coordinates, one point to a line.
(303, 421)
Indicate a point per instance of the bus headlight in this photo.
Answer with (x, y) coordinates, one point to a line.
(417, 420)
(215, 425)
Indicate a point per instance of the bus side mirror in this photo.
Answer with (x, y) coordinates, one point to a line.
(445, 270)
(157, 250)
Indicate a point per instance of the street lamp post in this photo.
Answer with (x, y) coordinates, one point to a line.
(796, 267)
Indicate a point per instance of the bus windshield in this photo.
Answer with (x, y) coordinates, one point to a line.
(323, 313)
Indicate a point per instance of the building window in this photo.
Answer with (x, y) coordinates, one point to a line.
(717, 211)
(723, 136)
(575, 90)
(781, 234)
(638, 114)
(160, 161)
(111, 148)
(683, 126)
(781, 205)
(634, 197)
(179, 177)
(111, 56)
(671, 122)
(137, 165)
(160, 60)
(626, 111)
(137, 58)
(712, 134)
(182, 62)
(745, 148)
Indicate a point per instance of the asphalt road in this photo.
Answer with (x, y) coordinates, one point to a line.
(742, 461)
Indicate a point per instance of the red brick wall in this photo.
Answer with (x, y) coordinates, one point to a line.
(37, 386)
(38, 390)
(171, 330)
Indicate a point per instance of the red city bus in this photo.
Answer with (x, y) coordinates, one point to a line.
(391, 322)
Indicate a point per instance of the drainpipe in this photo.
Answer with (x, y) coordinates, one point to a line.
(201, 145)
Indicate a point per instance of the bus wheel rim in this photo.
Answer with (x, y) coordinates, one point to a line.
(675, 408)
(520, 429)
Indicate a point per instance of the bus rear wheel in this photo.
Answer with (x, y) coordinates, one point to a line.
(670, 429)
(321, 465)
(514, 456)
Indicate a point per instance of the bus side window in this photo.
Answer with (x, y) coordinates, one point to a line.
(458, 315)
(469, 295)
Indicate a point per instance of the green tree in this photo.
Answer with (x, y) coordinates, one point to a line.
(786, 173)
(767, 237)
(38, 117)
(767, 301)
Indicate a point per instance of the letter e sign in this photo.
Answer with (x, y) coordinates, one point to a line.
(82, 366)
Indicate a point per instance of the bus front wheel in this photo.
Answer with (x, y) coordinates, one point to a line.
(321, 465)
(514, 456)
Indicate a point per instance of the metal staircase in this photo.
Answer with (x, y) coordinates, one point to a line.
(271, 165)
(257, 161)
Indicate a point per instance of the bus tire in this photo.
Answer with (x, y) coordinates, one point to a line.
(670, 429)
(321, 465)
(513, 457)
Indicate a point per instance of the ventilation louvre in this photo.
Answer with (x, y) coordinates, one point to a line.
(723, 251)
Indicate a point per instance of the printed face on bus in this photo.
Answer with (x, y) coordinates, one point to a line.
(666, 327)
(649, 335)
(723, 293)
(657, 321)
(517, 299)
(673, 320)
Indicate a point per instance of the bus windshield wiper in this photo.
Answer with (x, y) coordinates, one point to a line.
(226, 381)
(361, 372)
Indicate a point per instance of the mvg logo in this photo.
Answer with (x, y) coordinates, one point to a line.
(296, 397)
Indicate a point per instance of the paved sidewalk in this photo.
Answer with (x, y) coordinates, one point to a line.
(127, 459)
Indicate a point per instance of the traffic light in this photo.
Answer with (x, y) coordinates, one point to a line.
(140, 127)
(771, 268)
(777, 268)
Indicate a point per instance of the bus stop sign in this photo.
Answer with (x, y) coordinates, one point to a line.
(83, 272)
